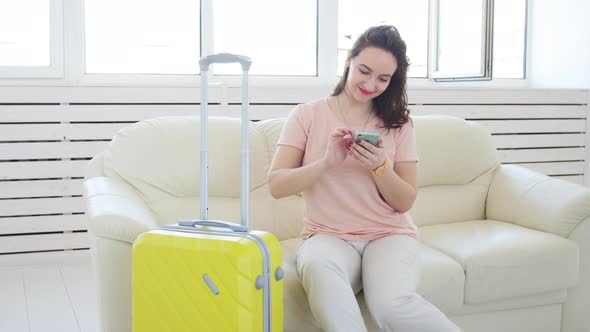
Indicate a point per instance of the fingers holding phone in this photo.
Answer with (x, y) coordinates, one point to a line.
(368, 150)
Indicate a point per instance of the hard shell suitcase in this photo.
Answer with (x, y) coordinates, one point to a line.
(203, 275)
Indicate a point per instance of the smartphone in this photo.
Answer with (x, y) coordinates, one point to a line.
(370, 137)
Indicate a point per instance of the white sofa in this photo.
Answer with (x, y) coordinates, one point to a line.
(505, 249)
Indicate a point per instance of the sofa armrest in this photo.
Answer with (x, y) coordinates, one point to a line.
(527, 198)
(116, 211)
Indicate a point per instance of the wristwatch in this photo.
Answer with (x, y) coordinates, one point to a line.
(381, 169)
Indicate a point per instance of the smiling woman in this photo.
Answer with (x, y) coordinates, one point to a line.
(357, 195)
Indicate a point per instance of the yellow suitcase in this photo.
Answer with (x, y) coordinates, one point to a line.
(203, 280)
(209, 276)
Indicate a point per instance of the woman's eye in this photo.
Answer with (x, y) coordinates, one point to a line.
(384, 80)
(364, 72)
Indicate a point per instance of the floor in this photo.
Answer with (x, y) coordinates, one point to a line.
(46, 292)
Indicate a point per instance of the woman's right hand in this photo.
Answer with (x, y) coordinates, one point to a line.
(339, 144)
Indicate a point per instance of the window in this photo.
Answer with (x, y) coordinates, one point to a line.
(480, 39)
(280, 36)
(142, 36)
(155, 42)
(470, 39)
(31, 43)
(409, 17)
(462, 40)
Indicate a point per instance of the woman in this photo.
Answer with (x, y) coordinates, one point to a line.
(357, 231)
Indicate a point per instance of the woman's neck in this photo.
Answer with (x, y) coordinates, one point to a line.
(353, 107)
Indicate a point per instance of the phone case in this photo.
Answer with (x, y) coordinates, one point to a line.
(370, 137)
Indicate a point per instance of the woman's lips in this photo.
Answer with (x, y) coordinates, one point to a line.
(365, 92)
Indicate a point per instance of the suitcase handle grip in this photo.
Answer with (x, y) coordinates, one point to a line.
(205, 61)
(213, 223)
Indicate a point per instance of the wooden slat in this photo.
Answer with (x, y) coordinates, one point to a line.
(532, 141)
(50, 150)
(49, 132)
(96, 113)
(502, 111)
(575, 167)
(93, 113)
(469, 112)
(257, 112)
(94, 131)
(578, 179)
(531, 155)
(275, 93)
(40, 188)
(498, 96)
(299, 94)
(100, 94)
(42, 169)
(31, 132)
(38, 206)
(27, 132)
(43, 224)
(31, 113)
(40, 242)
(534, 126)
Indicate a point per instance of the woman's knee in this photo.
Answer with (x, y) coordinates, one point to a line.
(390, 309)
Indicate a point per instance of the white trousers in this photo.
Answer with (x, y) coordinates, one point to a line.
(333, 270)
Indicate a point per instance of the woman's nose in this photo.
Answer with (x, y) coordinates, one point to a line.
(370, 85)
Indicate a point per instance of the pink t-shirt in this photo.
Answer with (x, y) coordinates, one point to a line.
(345, 202)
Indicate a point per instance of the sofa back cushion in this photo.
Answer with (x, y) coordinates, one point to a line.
(160, 159)
(457, 160)
(163, 154)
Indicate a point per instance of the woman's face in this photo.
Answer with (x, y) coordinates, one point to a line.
(370, 73)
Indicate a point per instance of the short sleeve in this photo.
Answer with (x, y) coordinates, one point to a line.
(405, 143)
(294, 132)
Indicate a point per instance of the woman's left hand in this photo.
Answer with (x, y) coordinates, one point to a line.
(369, 156)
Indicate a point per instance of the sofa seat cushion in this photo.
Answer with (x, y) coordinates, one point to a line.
(503, 260)
(442, 283)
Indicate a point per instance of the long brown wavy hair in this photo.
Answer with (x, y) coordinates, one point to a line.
(391, 106)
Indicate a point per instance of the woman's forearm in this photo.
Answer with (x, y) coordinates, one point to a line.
(399, 194)
(290, 181)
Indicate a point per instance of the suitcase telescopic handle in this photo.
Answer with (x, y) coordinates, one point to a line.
(245, 164)
(213, 223)
(205, 61)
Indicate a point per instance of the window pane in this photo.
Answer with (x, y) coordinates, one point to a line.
(509, 38)
(280, 36)
(460, 37)
(409, 17)
(142, 36)
(24, 33)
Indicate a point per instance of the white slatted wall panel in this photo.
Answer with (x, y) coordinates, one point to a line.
(44, 148)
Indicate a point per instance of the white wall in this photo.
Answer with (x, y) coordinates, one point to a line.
(559, 44)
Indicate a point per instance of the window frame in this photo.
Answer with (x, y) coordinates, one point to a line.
(486, 68)
(72, 55)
